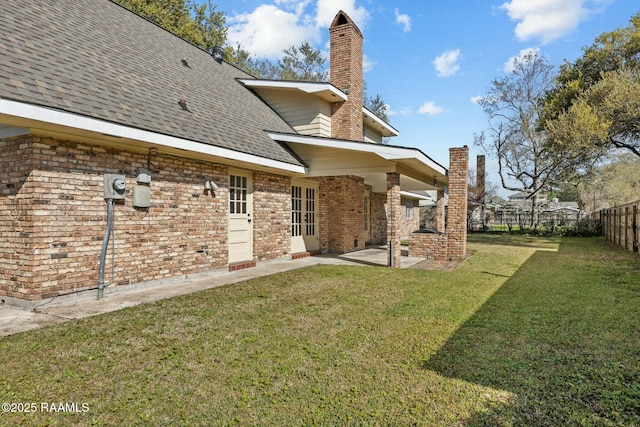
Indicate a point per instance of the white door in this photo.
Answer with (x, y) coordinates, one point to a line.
(304, 216)
(240, 217)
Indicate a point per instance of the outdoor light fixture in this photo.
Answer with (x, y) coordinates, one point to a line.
(209, 185)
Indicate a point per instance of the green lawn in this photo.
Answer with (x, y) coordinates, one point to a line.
(526, 331)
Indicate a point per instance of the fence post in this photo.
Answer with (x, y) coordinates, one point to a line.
(634, 225)
(627, 235)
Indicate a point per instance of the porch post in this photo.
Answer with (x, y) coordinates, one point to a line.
(393, 216)
(457, 213)
(440, 211)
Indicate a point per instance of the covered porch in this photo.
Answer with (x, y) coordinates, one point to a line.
(361, 190)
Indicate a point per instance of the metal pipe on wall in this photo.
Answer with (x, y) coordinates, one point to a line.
(105, 245)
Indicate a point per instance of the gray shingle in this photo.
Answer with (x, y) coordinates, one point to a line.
(95, 58)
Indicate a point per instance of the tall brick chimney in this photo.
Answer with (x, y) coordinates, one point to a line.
(481, 192)
(346, 74)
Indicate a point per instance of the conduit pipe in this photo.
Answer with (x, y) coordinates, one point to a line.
(105, 246)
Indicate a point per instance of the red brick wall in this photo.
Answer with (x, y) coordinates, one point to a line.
(456, 228)
(53, 217)
(346, 75)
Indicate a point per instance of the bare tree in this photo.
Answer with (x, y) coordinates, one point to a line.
(514, 105)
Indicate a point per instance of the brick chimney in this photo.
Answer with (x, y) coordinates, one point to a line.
(346, 74)
(481, 191)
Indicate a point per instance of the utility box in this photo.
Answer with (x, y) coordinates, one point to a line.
(115, 186)
(141, 196)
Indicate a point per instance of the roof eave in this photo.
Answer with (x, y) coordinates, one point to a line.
(25, 114)
(386, 129)
(409, 157)
(325, 91)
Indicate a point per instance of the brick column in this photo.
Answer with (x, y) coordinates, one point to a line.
(393, 216)
(440, 203)
(456, 228)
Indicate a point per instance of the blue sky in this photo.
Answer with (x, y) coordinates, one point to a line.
(430, 59)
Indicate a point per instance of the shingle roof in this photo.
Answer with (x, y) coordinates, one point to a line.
(95, 58)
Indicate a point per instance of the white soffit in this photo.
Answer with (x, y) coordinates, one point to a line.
(36, 113)
(326, 91)
(375, 121)
(387, 152)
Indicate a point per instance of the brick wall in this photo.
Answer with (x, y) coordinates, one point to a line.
(429, 246)
(53, 217)
(408, 225)
(456, 228)
(346, 74)
(378, 218)
(272, 216)
(341, 201)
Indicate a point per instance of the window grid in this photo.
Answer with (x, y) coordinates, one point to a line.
(296, 211)
(310, 216)
(237, 194)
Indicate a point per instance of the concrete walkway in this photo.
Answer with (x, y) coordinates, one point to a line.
(84, 304)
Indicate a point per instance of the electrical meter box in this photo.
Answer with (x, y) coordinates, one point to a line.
(115, 186)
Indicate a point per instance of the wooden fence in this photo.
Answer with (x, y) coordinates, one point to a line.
(620, 225)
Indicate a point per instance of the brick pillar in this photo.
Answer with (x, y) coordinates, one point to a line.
(440, 211)
(345, 41)
(456, 229)
(394, 213)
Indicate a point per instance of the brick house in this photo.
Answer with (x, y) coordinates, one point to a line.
(127, 152)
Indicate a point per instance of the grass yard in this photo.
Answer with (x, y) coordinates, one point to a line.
(527, 331)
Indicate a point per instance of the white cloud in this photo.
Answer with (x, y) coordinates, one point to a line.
(403, 112)
(447, 64)
(404, 20)
(476, 99)
(548, 20)
(430, 108)
(271, 28)
(268, 30)
(510, 64)
(367, 63)
(327, 9)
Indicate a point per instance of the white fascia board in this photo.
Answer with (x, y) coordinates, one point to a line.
(308, 87)
(369, 115)
(62, 118)
(411, 195)
(388, 152)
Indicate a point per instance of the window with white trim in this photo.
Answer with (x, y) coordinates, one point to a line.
(409, 207)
